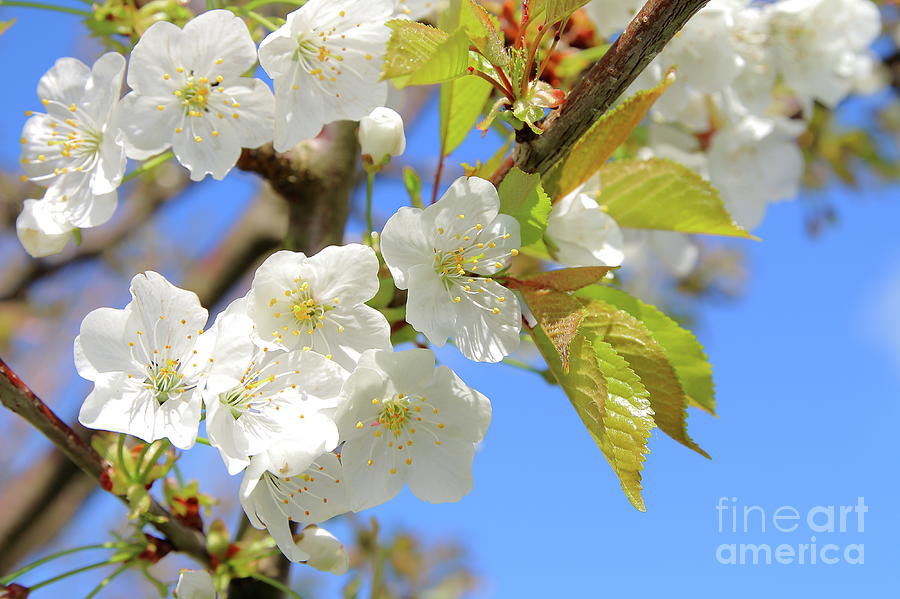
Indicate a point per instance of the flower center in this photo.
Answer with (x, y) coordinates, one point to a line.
(165, 380)
(395, 413)
(239, 399)
(195, 94)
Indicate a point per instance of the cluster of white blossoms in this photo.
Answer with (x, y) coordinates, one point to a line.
(297, 381)
(748, 73)
(189, 94)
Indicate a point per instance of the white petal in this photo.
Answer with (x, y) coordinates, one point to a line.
(217, 42)
(404, 244)
(428, 307)
(148, 130)
(256, 122)
(348, 272)
(206, 146)
(485, 336)
(156, 54)
(64, 82)
(441, 473)
(369, 485)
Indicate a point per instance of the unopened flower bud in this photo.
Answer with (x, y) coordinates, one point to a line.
(325, 552)
(40, 233)
(381, 136)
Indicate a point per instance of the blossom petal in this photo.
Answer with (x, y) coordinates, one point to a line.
(404, 245)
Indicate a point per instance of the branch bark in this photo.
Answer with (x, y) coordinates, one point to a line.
(16, 396)
(650, 30)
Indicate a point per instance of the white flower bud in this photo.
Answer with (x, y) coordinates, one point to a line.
(195, 584)
(583, 233)
(381, 135)
(325, 552)
(39, 232)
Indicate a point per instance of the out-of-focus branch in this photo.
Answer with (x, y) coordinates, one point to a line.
(650, 30)
(315, 178)
(37, 503)
(16, 396)
(145, 200)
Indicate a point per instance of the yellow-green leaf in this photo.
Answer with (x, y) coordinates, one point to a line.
(482, 30)
(681, 346)
(523, 197)
(646, 357)
(599, 142)
(461, 102)
(610, 401)
(418, 54)
(558, 315)
(551, 11)
(567, 279)
(665, 195)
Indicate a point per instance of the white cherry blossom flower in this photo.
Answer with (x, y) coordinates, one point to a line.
(311, 495)
(318, 303)
(381, 135)
(417, 9)
(409, 422)
(822, 46)
(325, 552)
(195, 584)
(326, 63)
(255, 397)
(42, 231)
(753, 162)
(189, 94)
(74, 148)
(583, 233)
(147, 362)
(444, 255)
(612, 16)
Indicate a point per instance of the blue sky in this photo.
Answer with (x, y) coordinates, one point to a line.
(807, 368)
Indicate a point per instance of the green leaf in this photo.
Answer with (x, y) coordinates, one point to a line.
(599, 142)
(413, 184)
(558, 315)
(565, 279)
(661, 194)
(522, 197)
(611, 402)
(461, 102)
(482, 30)
(646, 357)
(681, 346)
(418, 54)
(556, 10)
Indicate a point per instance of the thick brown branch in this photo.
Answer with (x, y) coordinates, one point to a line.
(316, 179)
(15, 395)
(646, 35)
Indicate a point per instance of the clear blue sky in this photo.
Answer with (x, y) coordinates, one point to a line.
(807, 368)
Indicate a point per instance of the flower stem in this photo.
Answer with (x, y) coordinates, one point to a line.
(204, 441)
(522, 366)
(41, 5)
(163, 445)
(148, 165)
(107, 580)
(370, 183)
(276, 584)
(47, 558)
(120, 453)
(34, 587)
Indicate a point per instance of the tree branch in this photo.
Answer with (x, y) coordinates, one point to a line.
(650, 30)
(15, 395)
